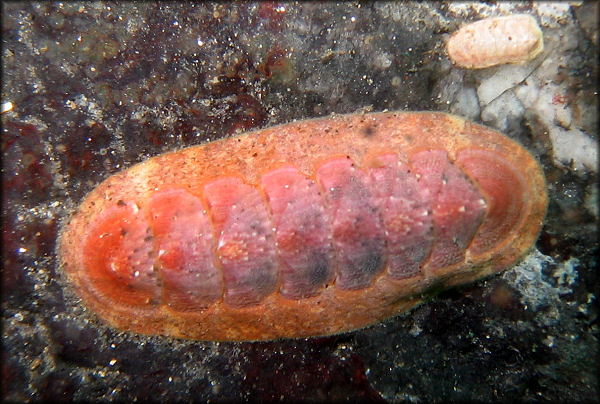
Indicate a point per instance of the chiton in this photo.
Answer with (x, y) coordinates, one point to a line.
(309, 228)
(495, 41)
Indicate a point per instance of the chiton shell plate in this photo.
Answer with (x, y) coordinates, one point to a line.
(310, 228)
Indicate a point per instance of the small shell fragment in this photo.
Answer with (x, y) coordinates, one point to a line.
(495, 41)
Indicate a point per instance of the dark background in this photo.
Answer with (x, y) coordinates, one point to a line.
(97, 87)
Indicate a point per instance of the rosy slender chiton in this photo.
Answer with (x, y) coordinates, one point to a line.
(309, 228)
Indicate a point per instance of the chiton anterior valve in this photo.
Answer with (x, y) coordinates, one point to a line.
(310, 228)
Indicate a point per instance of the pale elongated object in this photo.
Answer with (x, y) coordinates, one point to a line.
(496, 41)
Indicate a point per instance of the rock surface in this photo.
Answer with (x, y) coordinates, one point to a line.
(96, 87)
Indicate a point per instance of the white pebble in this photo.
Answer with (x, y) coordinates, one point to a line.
(466, 104)
(504, 113)
(504, 78)
(574, 148)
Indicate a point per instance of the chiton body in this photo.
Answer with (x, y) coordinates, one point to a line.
(309, 228)
(495, 41)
